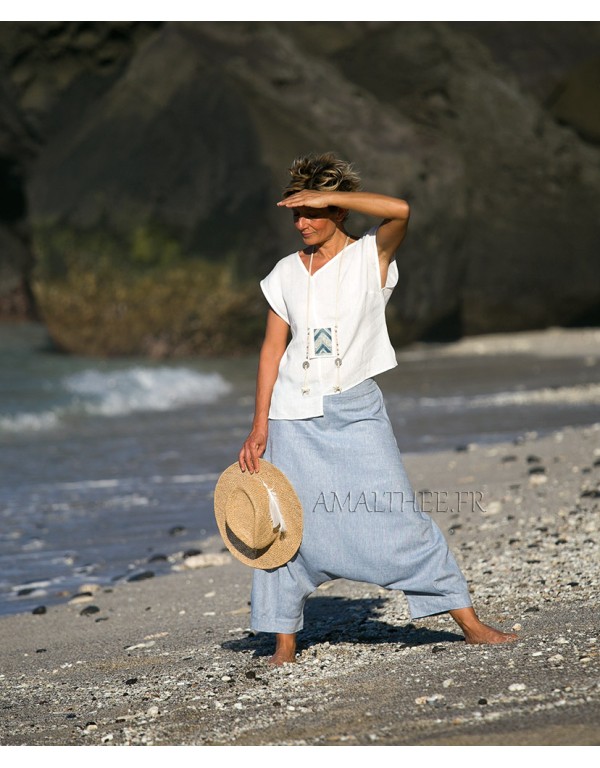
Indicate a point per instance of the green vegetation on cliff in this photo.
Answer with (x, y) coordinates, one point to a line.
(101, 297)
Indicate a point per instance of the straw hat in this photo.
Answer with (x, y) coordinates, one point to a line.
(259, 515)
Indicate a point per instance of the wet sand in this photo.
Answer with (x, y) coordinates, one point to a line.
(171, 660)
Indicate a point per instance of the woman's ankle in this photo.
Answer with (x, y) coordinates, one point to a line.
(285, 649)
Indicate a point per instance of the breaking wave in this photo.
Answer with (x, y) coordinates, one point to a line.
(117, 393)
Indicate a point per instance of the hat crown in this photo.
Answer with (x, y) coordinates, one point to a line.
(259, 515)
(247, 515)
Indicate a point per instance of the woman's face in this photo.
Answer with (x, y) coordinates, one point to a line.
(316, 225)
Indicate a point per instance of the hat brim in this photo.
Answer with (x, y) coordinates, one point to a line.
(287, 544)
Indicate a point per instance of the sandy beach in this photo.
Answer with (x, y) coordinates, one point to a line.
(171, 660)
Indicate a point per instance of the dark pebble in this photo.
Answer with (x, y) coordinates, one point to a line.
(251, 674)
(131, 681)
(276, 703)
(71, 715)
(40, 650)
(531, 459)
(513, 541)
(158, 559)
(39, 611)
(176, 530)
(83, 594)
(509, 458)
(102, 618)
(597, 463)
(537, 471)
(573, 583)
(593, 494)
(89, 610)
(531, 609)
(28, 590)
(191, 553)
(438, 649)
(461, 448)
(141, 576)
(482, 701)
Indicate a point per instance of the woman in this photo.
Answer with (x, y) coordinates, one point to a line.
(320, 416)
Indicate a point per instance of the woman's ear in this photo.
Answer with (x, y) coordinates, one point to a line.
(341, 214)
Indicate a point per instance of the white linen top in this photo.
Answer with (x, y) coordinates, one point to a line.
(364, 342)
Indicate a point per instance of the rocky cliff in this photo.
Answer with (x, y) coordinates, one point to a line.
(140, 164)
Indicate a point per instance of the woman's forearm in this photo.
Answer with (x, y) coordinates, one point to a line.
(371, 204)
(270, 356)
(268, 367)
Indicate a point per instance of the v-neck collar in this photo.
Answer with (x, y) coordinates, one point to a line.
(327, 263)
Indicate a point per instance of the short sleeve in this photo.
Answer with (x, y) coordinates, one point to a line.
(273, 291)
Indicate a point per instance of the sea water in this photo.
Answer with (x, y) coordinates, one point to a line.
(107, 468)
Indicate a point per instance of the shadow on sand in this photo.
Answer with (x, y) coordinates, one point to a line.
(347, 620)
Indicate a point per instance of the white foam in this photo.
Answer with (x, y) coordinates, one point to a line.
(182, 479)
(582, 394)
(548, 342)
(84, 484)
(117, 393)
(127, 482)
(30, 422)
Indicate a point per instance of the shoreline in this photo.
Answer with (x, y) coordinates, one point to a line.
(171, 660)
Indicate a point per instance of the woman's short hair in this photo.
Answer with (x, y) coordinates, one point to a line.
(324, 173)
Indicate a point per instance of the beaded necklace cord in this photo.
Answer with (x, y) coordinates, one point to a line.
(338, 360)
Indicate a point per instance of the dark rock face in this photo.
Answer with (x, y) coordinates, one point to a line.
(16, 259)
(141, 164)
(49, 72)
(524, 180)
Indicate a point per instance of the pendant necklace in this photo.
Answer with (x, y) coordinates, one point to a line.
(338, 360)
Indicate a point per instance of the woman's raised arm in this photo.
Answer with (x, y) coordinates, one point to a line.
(394, 211)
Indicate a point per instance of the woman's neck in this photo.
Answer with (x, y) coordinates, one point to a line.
(329, 248)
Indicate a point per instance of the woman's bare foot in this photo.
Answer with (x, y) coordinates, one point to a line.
(476, 631)
(285, 650)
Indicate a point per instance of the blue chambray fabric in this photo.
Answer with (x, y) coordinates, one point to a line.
(362, 519)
